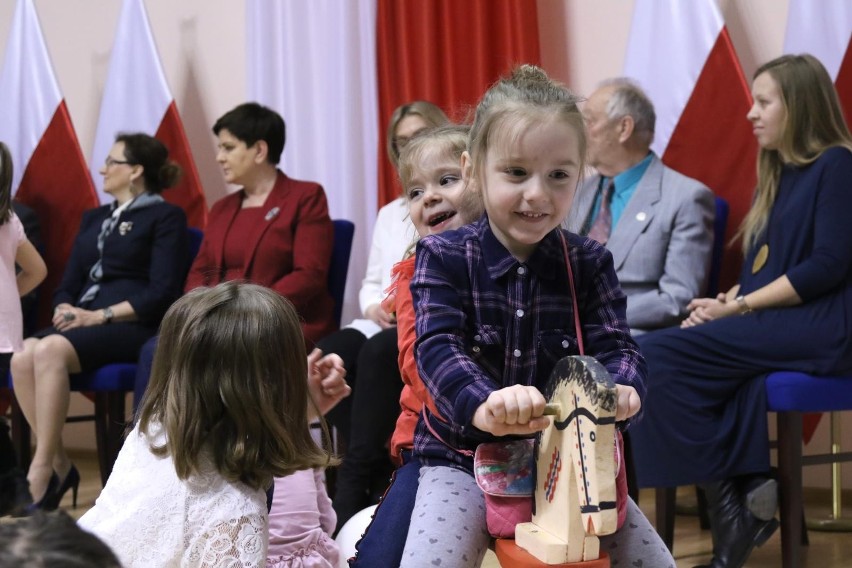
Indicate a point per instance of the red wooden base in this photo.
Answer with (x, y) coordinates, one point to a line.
(511, 555)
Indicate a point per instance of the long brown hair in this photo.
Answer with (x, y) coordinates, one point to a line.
(229, 383)
(814, 123)
(6, 169)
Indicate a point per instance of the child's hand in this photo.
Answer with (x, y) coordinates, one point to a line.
(326, 380)
(512, 410)
(628, 402)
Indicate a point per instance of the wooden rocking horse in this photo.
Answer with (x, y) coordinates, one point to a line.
(575, 493)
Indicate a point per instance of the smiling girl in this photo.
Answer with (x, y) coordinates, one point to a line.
(494, 314)
(437, 200)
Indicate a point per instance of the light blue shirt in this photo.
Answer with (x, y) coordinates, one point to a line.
(625, 185)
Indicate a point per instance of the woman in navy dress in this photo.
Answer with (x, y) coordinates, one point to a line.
(126, 268)
(705, 415)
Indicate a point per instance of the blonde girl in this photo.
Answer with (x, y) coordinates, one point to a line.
(437, 200)
(494, 315)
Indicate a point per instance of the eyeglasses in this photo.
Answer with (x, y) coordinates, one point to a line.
(109, 162)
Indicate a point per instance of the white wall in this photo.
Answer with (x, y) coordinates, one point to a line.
(202, 46)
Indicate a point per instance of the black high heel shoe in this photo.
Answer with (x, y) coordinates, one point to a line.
(47, 498)
(71, 481)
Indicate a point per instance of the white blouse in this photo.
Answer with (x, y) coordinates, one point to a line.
(149, 517)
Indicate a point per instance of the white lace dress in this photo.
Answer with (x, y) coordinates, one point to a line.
(150, 518)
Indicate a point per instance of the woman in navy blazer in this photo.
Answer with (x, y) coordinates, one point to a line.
(125, 269)
(275, 231)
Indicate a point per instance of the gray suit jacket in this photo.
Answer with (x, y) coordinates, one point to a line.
(661, 245)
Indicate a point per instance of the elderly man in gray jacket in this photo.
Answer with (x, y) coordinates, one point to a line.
(657, 223)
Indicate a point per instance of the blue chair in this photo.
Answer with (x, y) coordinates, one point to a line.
(720, 225)
(790, 394)
(342, 249)
(195, 236)
(109, 385)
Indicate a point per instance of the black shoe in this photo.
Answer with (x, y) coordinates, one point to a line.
(71, 481)
(764, 531)
(46, 499)
(14, 493)
(736, 531)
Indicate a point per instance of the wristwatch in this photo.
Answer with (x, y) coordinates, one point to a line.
(744, 307)
(108, 315)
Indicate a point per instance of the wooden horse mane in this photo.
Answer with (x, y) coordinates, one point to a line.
(575, 497)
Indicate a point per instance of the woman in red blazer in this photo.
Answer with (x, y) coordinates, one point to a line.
(275, 231)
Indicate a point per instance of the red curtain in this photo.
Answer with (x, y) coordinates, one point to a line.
(447, 52)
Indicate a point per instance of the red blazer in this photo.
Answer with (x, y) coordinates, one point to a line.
(290, 251)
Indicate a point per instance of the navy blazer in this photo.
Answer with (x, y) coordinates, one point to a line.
(144, 261)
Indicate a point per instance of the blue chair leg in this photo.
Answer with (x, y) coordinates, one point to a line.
(109, 429)
(790, 480)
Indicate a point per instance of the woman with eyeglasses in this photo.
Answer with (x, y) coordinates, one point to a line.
(126, 268)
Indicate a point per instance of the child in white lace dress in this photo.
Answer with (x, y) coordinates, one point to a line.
(225, 412)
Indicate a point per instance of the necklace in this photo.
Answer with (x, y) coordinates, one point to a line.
(760, 258)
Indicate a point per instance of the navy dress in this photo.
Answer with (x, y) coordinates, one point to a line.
(705, 412)
(144, 263)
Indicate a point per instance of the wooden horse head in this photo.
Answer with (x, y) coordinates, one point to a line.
(575, 466)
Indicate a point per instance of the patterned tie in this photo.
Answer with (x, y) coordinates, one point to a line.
(603, 222)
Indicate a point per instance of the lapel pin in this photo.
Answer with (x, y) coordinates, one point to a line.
(272, 213)
(641, 216)
(125, 227)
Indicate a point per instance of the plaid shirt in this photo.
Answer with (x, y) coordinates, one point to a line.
(486, 321)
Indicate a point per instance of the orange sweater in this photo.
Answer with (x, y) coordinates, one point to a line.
(414, 393)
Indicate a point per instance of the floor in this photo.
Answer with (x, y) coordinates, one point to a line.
(692, 545)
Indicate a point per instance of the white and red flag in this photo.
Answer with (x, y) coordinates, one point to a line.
(50, 173)
(137, 99)
(823, 28)
(681, 54)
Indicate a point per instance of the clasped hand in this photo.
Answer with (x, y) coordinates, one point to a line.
(519, 410)
(702, 310)
(66, 316)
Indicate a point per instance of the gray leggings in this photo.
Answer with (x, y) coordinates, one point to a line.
(448, 527)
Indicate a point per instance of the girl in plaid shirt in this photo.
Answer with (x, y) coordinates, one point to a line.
(493, 316)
